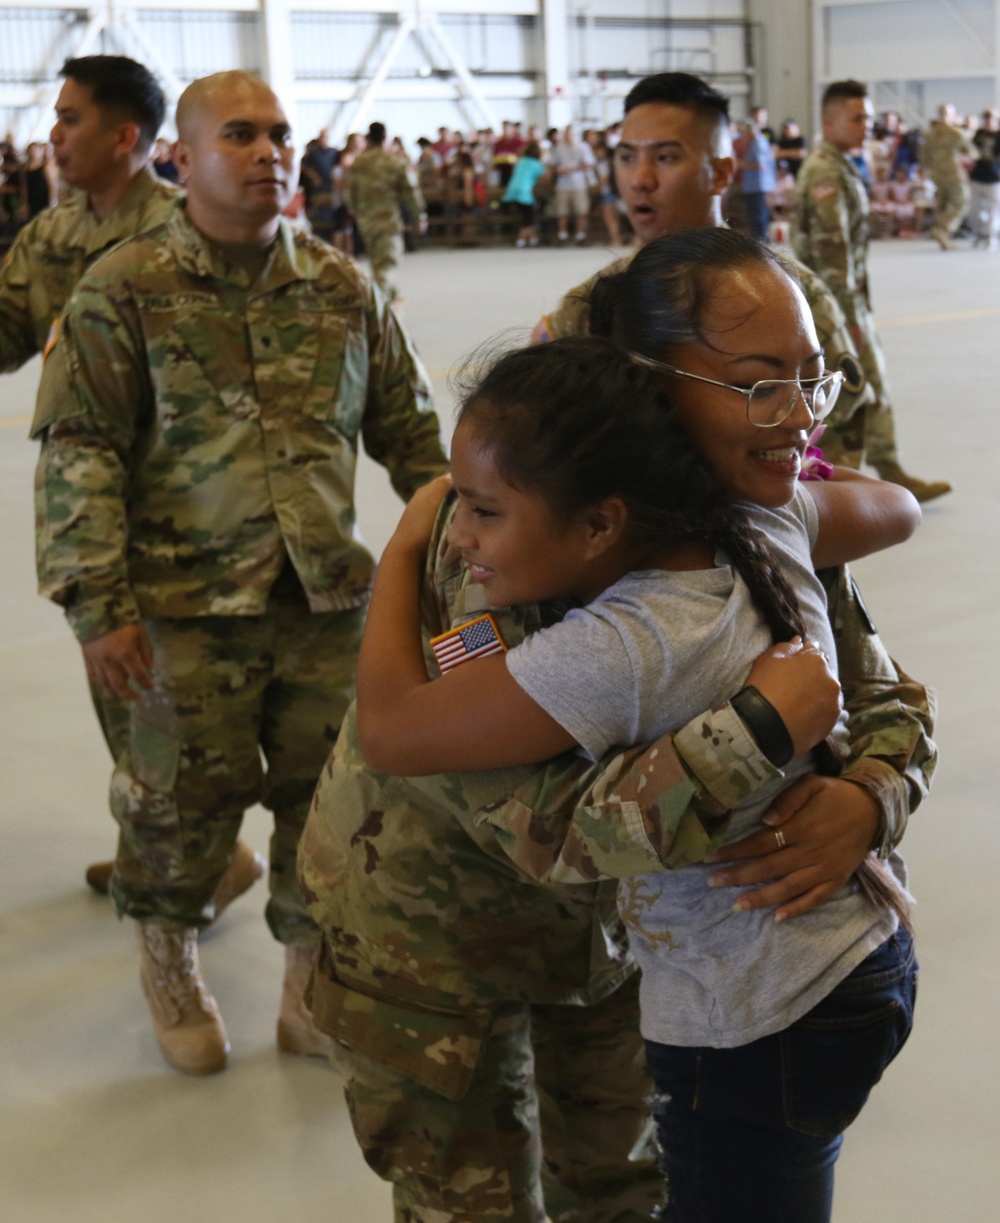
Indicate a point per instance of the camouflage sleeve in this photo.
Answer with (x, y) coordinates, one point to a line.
(18, 342)
(890, 715)
(92, 384)
(645, 809)
(666, 805)
(837, 345)
(572, 315)
(829, 229)
(400, 428)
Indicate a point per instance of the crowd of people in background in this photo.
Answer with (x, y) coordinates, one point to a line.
(559, 184)
(28, 184)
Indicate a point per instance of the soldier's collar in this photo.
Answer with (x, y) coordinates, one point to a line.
(201, 257)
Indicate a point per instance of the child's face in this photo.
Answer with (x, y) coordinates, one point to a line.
(511, 541)
(756, 326)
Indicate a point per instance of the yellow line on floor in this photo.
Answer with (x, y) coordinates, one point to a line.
(950, 316)
(14, 422)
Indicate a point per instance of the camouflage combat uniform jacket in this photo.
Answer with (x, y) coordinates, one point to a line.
(53, 251)
(377, 188)
(942, 150)
(423, 886)
(830, 228)
(572, 317)
(198, 429)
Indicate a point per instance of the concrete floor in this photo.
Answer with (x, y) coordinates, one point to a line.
(94, 1127)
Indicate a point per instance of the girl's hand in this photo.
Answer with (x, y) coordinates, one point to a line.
(796, 678)
(417, 523)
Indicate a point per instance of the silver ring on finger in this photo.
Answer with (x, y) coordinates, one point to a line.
(779, 836)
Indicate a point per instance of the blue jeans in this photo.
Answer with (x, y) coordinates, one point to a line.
(751, 1134)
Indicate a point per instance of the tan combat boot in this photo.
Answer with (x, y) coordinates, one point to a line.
(923, 490)
(244, 869)
(297, 1033)
(186, 1019)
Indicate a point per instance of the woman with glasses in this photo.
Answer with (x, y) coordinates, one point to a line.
(576, 479)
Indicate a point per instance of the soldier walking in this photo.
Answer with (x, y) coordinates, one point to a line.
(941, 156)
(378, 189)
(200, 421)
(830, 231)
(108, 113)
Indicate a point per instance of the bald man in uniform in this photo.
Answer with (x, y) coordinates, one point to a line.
(200, 418)
(108, 113)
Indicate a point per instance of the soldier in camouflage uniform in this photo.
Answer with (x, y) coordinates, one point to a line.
(488, 1027)
(107, 116)
(378, 189)
(200, 417)
(673, 166)
(830, 235)
(941, 153)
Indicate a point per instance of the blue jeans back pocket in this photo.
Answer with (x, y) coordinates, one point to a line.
(834, 1055)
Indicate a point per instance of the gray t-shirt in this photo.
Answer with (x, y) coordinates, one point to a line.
(640, 661)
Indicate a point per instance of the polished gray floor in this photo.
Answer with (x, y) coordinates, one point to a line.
(94, 1127)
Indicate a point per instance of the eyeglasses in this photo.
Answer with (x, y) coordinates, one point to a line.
(772, 400)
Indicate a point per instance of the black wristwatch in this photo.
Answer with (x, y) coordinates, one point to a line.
(765, 724)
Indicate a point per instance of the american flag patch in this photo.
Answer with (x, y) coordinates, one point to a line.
(473, 640)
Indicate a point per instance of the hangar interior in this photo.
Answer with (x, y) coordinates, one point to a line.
(93, 1126)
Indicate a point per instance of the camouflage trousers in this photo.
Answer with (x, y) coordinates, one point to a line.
(384, 248)
(869, 434)
(115, 717)
(229, 691)
(951, 203)
(540, 1120)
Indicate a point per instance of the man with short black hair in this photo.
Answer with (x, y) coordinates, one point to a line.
(673, 166)
(830, 234)
(379, 190)
(108, 114)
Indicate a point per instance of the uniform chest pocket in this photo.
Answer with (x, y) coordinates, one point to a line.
(202, 374)
(329, 359)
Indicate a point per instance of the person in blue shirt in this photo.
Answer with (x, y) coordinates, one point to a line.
(520, 192)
